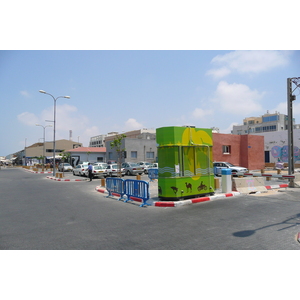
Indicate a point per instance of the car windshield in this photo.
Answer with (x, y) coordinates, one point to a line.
(99, 167)
(230, 165)
(66, 164)
(134, 165)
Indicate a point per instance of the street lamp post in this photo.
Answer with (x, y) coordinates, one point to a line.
(290, 99)
(44, 127)
(54, 123)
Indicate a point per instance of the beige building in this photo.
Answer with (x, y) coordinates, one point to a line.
(37, 149)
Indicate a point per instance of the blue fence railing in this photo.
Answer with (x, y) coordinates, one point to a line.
(135, 190)
(115, 185)
(153, 174)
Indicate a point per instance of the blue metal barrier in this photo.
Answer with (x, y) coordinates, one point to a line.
(138, 189)
(153, 174)
(115, 185)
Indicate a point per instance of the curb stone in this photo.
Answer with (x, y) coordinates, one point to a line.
(152, 202)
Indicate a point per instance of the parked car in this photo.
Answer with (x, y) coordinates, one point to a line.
(219, 165)
(153, 166)
(98, 171)
(113, 170)
(79, 170)
(65, 167)
(109, 162)
(145, 165)
(100, 164)
(132, 168)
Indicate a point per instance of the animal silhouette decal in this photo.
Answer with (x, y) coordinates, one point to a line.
(202, 187)
(175, 189)
(189, 187)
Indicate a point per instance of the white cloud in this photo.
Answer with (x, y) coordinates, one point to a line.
(28, 119)
(200, 113)
(132, 124)
(219, 73)
(25, 94)
(248, 62)
(229, 128)
(67, 118)
(237, 99)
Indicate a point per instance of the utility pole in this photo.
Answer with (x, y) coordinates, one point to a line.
(290, 99)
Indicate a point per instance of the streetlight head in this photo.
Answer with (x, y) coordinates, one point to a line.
(68, 97)
(41, 91)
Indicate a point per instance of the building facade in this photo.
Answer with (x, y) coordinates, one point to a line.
(139, 145)
(265, 123)
(87, 154)
(37, 150)
(242, 150)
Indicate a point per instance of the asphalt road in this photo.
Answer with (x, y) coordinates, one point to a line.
(39, 213)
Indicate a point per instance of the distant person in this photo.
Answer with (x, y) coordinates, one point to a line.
(90, 170)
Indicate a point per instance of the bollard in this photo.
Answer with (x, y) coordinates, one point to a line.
(292, 182)
(278, 171)
(138, 177)
(102, 182)
(226, 181)
(217, 183)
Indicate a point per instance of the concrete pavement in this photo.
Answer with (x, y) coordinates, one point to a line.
(273, 184)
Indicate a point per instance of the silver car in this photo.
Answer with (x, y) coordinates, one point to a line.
(79, 170)
(113, 170)
(219, 165)
(97, 171)
(132, 168)
(65, 167)
(145, 165)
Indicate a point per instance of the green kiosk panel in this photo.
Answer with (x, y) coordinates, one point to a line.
(185, 162)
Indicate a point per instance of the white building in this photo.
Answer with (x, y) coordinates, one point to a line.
(265, 123)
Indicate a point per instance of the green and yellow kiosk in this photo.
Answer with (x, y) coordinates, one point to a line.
(185, 162)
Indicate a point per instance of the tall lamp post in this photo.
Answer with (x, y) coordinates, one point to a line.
(54, 123)
(44, 127)
(290, 99)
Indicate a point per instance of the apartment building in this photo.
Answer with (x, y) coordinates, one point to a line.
(139, 145)
(265, 123)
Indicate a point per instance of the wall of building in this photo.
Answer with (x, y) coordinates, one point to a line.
(245, 150)
(137, 145)
(276, 144)
(37, 149)
(76, 157)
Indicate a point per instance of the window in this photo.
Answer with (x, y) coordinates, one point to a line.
(150, 155)
(56, 150)
(133, 154)
(270, 119)
(226, 149)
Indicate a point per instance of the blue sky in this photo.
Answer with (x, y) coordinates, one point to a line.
(127, 90)
(141, 64)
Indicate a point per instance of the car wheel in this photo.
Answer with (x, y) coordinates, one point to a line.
(128, 173)
(73, 173)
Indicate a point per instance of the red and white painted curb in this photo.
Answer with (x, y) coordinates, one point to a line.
(36, 172)
(175, 203)
(61, 179)
(194, 200)
(279, 186)
(189, 201)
